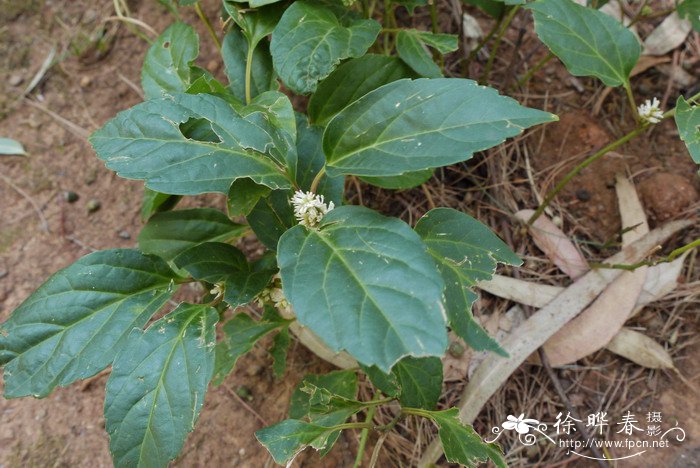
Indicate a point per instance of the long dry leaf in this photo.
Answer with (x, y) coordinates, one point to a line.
(667, 36)
(640, 349)
(555, 245)
(593, 328)
(532, 334)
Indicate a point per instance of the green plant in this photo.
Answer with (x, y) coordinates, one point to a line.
(365, 291)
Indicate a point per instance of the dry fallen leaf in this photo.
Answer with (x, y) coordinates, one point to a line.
(640, 349)
(593, 328)
(555, 245)
(667, 36)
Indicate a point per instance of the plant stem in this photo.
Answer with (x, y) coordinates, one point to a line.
(667, 259)
(248, 72)
(530, 73)
(363, 437)
(591, 159)
(499, 38)
(632, 102)
(207, 23)
(473, 53)
(317, 180)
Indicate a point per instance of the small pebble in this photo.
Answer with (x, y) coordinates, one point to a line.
(583, 195)
(85, 81)
(93, 205)
(456, 349)
(124, 234)
(3, 273)
(15, 80)
(254, 370)
(70, 197)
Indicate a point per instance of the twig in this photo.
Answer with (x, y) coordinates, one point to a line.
(569, 407)
(37, 209)
(75, 129)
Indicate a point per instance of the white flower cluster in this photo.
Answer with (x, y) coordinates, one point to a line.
(650, 112)
(274, 295)
(310, 208)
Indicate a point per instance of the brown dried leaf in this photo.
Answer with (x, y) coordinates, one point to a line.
(640, 349)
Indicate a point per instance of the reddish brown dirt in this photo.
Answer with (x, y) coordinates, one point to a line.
(90, 84)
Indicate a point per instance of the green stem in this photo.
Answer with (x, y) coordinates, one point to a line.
(499, 38)
(667, 259)
(530, 73)
(357, 425)
(248, 72)
(363, 437)
(632, 102)
(317, 180)
(434, 16)
(417, 412)
(207, 23)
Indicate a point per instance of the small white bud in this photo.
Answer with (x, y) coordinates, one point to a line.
(650, 112)
(309, 208)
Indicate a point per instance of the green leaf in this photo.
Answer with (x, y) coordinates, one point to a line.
(253, 3)
(240, 334)
(286, 439)
(72, 326)
(493, 8)
(412, 125)
(154, 202)
(11, 147)
(278, 351)
(413, 51)
(688, 123)
(411, 4)
(443, 43)
(352, 80)
(340, 386)
(466, 252)
(166, 68)
(147, 143)
(312, 159)
(589, 42)
(244, 195)
(403, 181)
(234, 52)
(461, 443)
(170, 233)
(157, 386)
(216, 262)
(417, 382)
(255, 23)
(377, 294)
(690, 9)
(272, 217)
(310, 40)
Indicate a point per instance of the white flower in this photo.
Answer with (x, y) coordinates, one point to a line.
(649, 112)
(218, 290)
(273, 294)
(310, 208)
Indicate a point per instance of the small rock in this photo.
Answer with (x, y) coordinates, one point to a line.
(70, 197)
(254, 370)
(456, 349)
(15, 80)
(93, 205)
(583, 195)
(3, 273)
(124, 234)
(85, 81)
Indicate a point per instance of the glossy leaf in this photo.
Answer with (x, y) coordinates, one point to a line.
(466, 252)
(412, 125)
(310, 40)
(589, 42)
(240, 335)
(311, 160)
(72, 326)
(244, 195)
(287, 438)
(146, 142)
(215, 262)
(271, 217)
(378, 294)
(256, 23)
(415, 54)
(688, 123)
(154, 202)
(352, 80)
(166, 68)
(461, 443)
(170, 233)
(157, 386)
(234, 51)
(417, 382)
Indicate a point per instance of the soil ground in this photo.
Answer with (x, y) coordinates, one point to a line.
(40, 232)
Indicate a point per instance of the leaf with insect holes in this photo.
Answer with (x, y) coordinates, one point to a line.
(413, 125)
(688, 123)
(286, 439)
(157, 386)
(73, 325)
(378, 293)
(461, 443)
(170, 233)
(167, 67)
(466, 252)
(240, 335)
(311, 39)
(147, 143)
(589, 42)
